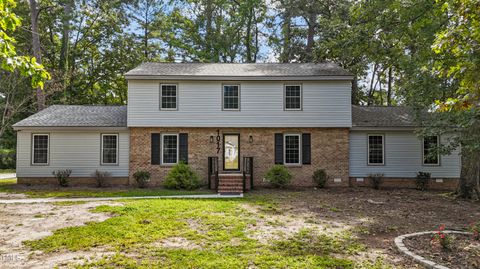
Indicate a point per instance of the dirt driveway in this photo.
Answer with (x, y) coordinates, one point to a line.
(20, 222)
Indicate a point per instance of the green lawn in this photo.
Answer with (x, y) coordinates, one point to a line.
(7, 171)
(201, 234)
(9, 186)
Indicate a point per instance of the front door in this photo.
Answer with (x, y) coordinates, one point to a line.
(231, 152)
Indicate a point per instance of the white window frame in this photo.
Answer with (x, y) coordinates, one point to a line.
(101, 150)
(383, 149)
(285, 97)
(423, 152)
(238, 96)
(176, 96)
(299, 149)
(33, 150)
(162, 147)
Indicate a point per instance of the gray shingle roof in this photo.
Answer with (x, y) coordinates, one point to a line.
(382, 116)
(77, 116)
(255, 70)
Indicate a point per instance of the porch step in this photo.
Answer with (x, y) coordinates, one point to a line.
(230, 183)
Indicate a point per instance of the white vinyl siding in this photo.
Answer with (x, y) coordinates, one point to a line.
(325, 104)
(77, 150)
(403, 157)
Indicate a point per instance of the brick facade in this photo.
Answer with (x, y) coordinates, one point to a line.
(329, 151)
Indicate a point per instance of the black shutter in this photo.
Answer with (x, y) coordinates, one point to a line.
(183, 148)
(306, 149)
(278, 148)
(155, 149)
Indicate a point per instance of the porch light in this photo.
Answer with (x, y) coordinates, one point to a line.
(211, 139)
(250, 139)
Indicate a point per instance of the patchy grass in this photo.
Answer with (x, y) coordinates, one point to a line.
(10, 186)
(7, 171)
(205, 233)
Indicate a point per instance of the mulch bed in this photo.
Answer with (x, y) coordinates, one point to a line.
(464, 252)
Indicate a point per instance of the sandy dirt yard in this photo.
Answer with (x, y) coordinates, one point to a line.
(21, 222)
(375, 217)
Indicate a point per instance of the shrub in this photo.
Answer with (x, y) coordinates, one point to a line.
(62, 176)
(445, 240)
(142, 178)
(376, 180)
(422, 181)
(181, 176)
(100, 177)
(278, 176)
(320, 178)
(7, 159)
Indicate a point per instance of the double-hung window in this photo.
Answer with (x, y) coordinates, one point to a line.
(375, 150)
(231, 97)
(109, 149)
(168, 97)
(430, 150)
(293, 97)
(40, 149)
(292, 146)
(169, 148)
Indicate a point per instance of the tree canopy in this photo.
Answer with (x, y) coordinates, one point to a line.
(420, 53)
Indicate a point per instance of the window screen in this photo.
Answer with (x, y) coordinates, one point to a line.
(293, 97)
(168, 96)
(109, 148)
(40, 149)
(375, 149)
(292, 149)
(231, 97)
(430, 144)
(169, 149)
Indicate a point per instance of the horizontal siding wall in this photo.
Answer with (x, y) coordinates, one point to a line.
(403, 157)
(325, 104)
(75, 150)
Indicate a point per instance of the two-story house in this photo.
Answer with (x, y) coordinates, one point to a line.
(227, 119)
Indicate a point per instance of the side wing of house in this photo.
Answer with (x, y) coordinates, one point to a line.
(383, 141)
(46, 143)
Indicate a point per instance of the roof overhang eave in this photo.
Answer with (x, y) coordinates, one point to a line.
(70, 128)
(238, 78)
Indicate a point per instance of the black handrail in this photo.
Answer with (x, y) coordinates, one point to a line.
(213, 171)
(247, 170)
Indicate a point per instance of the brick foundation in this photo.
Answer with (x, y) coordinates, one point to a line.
(73, 181)
(449, 184)
(329, 149)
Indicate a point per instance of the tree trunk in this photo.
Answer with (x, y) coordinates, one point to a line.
(248, 39)
(312, 24)
(469, 184)
(145, 31)
(389, 88)
(355, 97)
(37, 53)
(370, 92)
(209, 31)
(285, 56)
